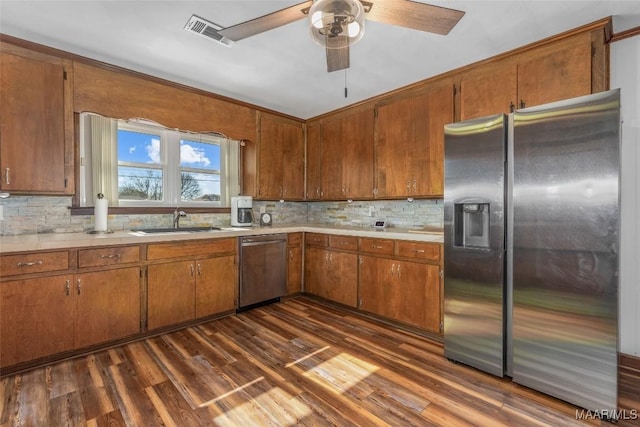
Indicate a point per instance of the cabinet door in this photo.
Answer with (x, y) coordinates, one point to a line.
(347, 164)
(35, 318)
(409, 147)
(559, 75)
(375, 284)
(281, 159)
(488, 92)
(415, 296)
(294, 270)
(170, 293)
(32, 141)
(215, 285)
(342, 281)
(314, 162)
(107, 305)
(316, 269)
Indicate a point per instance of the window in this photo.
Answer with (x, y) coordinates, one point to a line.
(138, 163)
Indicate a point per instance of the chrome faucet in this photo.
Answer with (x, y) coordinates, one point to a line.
(177, 214)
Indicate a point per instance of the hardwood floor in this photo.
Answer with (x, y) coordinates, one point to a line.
(297, 362)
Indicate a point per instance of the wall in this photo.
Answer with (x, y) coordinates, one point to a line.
(625, 74)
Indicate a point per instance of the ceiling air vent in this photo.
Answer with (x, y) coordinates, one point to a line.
(207, 29)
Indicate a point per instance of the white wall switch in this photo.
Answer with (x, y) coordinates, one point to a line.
(263, 209)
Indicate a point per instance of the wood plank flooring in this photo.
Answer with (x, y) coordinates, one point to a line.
(298, 362)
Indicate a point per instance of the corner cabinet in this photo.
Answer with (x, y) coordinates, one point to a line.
(280, 157)
(409, 145)
(36, 123)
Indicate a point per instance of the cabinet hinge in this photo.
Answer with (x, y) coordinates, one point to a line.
(64, 75)
(65, 183)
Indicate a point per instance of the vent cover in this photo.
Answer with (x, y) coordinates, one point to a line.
(207, 29)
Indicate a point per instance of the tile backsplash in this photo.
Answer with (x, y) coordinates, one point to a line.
(48, 214)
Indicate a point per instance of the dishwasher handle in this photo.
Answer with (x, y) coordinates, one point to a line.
(270, 238)
(246, 243)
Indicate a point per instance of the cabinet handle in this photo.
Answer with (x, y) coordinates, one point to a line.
(399, 272)
(199, 269)
(393, 269)
(376, 246)
(415, 186)
(29, 264)
(331, 258)
(192, 270)
(110, 256)
(68, 287)
(326, 258)
(522, 104)
(79, 285)
(418, 251)
(290, 254)
(6, 175)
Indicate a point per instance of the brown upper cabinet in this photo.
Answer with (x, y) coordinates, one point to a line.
(280, 155)
(551, 73)
(409, 143)
(340, 156)
(36, 123)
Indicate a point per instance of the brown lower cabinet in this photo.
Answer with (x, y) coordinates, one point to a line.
(408, 292)
(185, 290)
(332, 275)
(395, 279)
(53, 314)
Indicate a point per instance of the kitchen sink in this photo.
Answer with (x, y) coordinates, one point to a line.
(173, 230)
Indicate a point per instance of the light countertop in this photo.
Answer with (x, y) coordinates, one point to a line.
(33, 242)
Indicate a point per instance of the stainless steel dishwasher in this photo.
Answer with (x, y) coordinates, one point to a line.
(263, 266)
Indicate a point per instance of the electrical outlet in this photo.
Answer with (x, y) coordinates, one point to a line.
(372, 210)
(1, 213)
(263, 209)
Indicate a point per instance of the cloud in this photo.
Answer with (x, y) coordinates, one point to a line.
(132, 149)
(193, 155)
(153, 150)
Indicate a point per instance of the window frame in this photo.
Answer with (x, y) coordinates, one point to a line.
(170, 165)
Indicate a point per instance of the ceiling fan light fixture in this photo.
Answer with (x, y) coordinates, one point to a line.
(333, 19)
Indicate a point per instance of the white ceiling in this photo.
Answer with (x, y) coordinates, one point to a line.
(283, 69)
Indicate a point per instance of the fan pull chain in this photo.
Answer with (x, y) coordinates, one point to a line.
(345, 83)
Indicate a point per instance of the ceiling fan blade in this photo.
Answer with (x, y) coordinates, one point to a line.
(266, 22)
(337, 53)
(418, 16)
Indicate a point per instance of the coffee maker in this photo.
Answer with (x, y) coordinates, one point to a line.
(241, 211)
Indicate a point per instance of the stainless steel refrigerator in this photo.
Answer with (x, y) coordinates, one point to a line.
(531, 224)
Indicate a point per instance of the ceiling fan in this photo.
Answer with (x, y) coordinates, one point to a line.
(337, 24)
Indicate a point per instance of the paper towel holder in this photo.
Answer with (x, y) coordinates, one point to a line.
(107, 231)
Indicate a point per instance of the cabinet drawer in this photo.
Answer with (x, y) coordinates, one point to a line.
(420, 250)
(108, 256)
(349, 243)
(294, 239)
(315, 239)
(193, 248)
(376, 246)
(38, 262)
